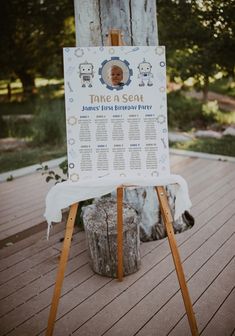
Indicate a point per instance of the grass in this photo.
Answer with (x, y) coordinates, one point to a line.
(186, 113)
(21, 158)
(224, 86)
(224, 146)
(16, 86)
(25, 107)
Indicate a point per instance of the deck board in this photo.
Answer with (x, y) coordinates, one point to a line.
(223, 322)
(147, 302)
(214, 295)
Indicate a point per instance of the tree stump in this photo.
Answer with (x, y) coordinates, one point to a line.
(100, 224)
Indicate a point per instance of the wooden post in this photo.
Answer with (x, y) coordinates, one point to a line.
(167, 217)
(119, 233)
(115, 39)
(61, 268)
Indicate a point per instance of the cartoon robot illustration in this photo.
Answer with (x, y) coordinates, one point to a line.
(86, 73)
(145, 75)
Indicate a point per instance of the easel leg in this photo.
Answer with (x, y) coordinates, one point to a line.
(119, 233)
(61, 268)
(166, 213)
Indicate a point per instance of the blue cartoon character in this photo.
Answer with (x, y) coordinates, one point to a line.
(145, 75)
(86, 73)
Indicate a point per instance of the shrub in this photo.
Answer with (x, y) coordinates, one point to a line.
(3, 128)
(210, 111)
(184, 113)
(49, 123)
(15, 127)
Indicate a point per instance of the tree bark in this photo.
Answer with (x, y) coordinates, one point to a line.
(205, 89)
(101, 236)
(137, 21)
(9, 91)
(28, 83)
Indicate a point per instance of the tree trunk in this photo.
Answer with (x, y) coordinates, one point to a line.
(28, 83)
(137, 21)
(9, 91)
(101, 236)
(205, 89)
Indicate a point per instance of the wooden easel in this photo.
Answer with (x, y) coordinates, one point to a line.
(115, 39)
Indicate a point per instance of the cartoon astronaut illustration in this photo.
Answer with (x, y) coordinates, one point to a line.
(145, 74)
(86, 73)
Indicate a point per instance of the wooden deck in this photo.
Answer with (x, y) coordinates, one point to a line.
(145, 303)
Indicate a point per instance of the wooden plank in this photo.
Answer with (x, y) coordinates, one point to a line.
(166, 214)
(108, 293)
(120, 233)
(13, 198)
(203, 171)
(38, 304)
(17, 220)
(177, 163)
(26, 264)
(15, 230)
(35, 304)
(35, 323)
(78, 273)
(20, 182)
(26, 251)
(83, 291)
(217, 209)
(223, 322)
(210, 187)
(218, 194)
(27, 276)
(158, 293)
(215, 294)
(171, 313)
(221, 196)
(29, 241)
(29, 183)
(195, 186)
(203, 175)
(12, 225)
(194, 165)
(40, 283)
(61, 270)
(203, 222)
(27, 224)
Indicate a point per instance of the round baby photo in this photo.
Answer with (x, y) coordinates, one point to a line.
(115, 73)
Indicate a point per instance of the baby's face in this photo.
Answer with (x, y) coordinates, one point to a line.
(116, 76)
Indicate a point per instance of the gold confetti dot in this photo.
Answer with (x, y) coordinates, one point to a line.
(159, 50)
(72, 120)
(74, 177)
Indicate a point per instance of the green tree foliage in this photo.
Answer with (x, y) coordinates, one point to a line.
(32, 35)
(199, 35)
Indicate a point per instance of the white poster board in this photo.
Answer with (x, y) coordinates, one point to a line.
(116, 112)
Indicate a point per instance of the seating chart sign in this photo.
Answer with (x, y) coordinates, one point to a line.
(116, 112)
